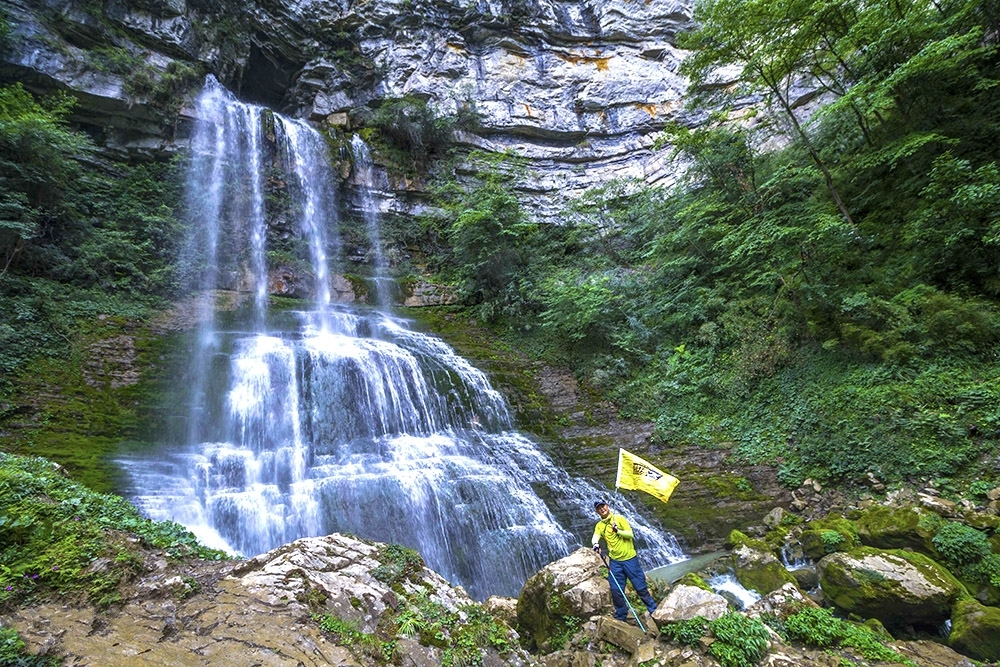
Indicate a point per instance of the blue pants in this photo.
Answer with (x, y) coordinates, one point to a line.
(618, 570)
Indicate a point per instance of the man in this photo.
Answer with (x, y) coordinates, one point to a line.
(623, 561)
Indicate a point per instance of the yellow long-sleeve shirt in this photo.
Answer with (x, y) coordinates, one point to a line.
(620, 544)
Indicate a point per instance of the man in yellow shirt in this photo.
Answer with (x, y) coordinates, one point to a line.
(623, 562)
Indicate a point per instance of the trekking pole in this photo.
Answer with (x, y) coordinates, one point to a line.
(613, 578)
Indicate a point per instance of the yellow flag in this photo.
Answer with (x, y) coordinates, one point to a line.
(640, 475)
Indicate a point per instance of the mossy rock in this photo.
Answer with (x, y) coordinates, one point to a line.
(737, 538)
(756, 567)
(827, 536)
(899, 588)
(975, 631)
(692, 579)
(898, 528)
(981, 520)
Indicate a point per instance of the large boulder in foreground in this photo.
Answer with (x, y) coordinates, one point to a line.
(571, 586)
(975, 630)
(684, 602)
(899, 588)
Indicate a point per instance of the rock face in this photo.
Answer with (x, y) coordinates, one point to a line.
(572, 586)
(899, 588)
(259, 611)
(577, 87)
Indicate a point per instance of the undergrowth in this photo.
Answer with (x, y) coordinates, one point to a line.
(819, 627)
(59, 537)
(464, 636)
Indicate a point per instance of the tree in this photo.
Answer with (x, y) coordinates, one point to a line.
(772, 44)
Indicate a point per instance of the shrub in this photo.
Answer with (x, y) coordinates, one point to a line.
(397, 563)
(960, 544)
(686, 632)
(12, 652)
(740, 640)
(818, 627)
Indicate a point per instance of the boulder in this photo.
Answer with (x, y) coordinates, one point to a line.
(773, 518)
(756, 568)
(782, 603)
(940, 506)
(685, 602)
(571, 586)
(899, 588)
(975, 630)
(897, 528)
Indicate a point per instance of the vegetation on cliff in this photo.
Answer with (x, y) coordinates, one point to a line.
(829, 307)
(59, 537)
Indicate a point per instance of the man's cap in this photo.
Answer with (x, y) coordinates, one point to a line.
(599, 503)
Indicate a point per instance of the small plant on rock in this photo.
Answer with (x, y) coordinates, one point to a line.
(960, 545)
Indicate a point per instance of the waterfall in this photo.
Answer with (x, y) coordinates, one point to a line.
(365, 174)
(339, 419)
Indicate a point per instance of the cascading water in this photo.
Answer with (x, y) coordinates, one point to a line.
(346, 420)
(365, 174)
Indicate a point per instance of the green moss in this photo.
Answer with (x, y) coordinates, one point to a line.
(737, 538)
(898, 528)
(829, 535)
(692, 579)
(729, 485)
(59, 537)
(975, 630)
(72, 413)
(760, 570)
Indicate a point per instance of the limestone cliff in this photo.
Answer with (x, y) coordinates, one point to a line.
(578, 87)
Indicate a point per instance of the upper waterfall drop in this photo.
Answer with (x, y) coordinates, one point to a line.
(339, 419)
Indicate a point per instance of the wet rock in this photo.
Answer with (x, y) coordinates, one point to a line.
(940, 506)
(756, 568)
(773, 518)
(899, 588)
(782, 603)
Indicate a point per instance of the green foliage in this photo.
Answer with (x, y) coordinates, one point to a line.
(415, 131)
(567, 627)
(397, 563)
(961, 545)
(75, 242)
(818, 627)
(53, 530)
(980, 487)
(490, 242)
(464, 635)
(13, 653)
(740, 641)
(832, 541)
(686, 632)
